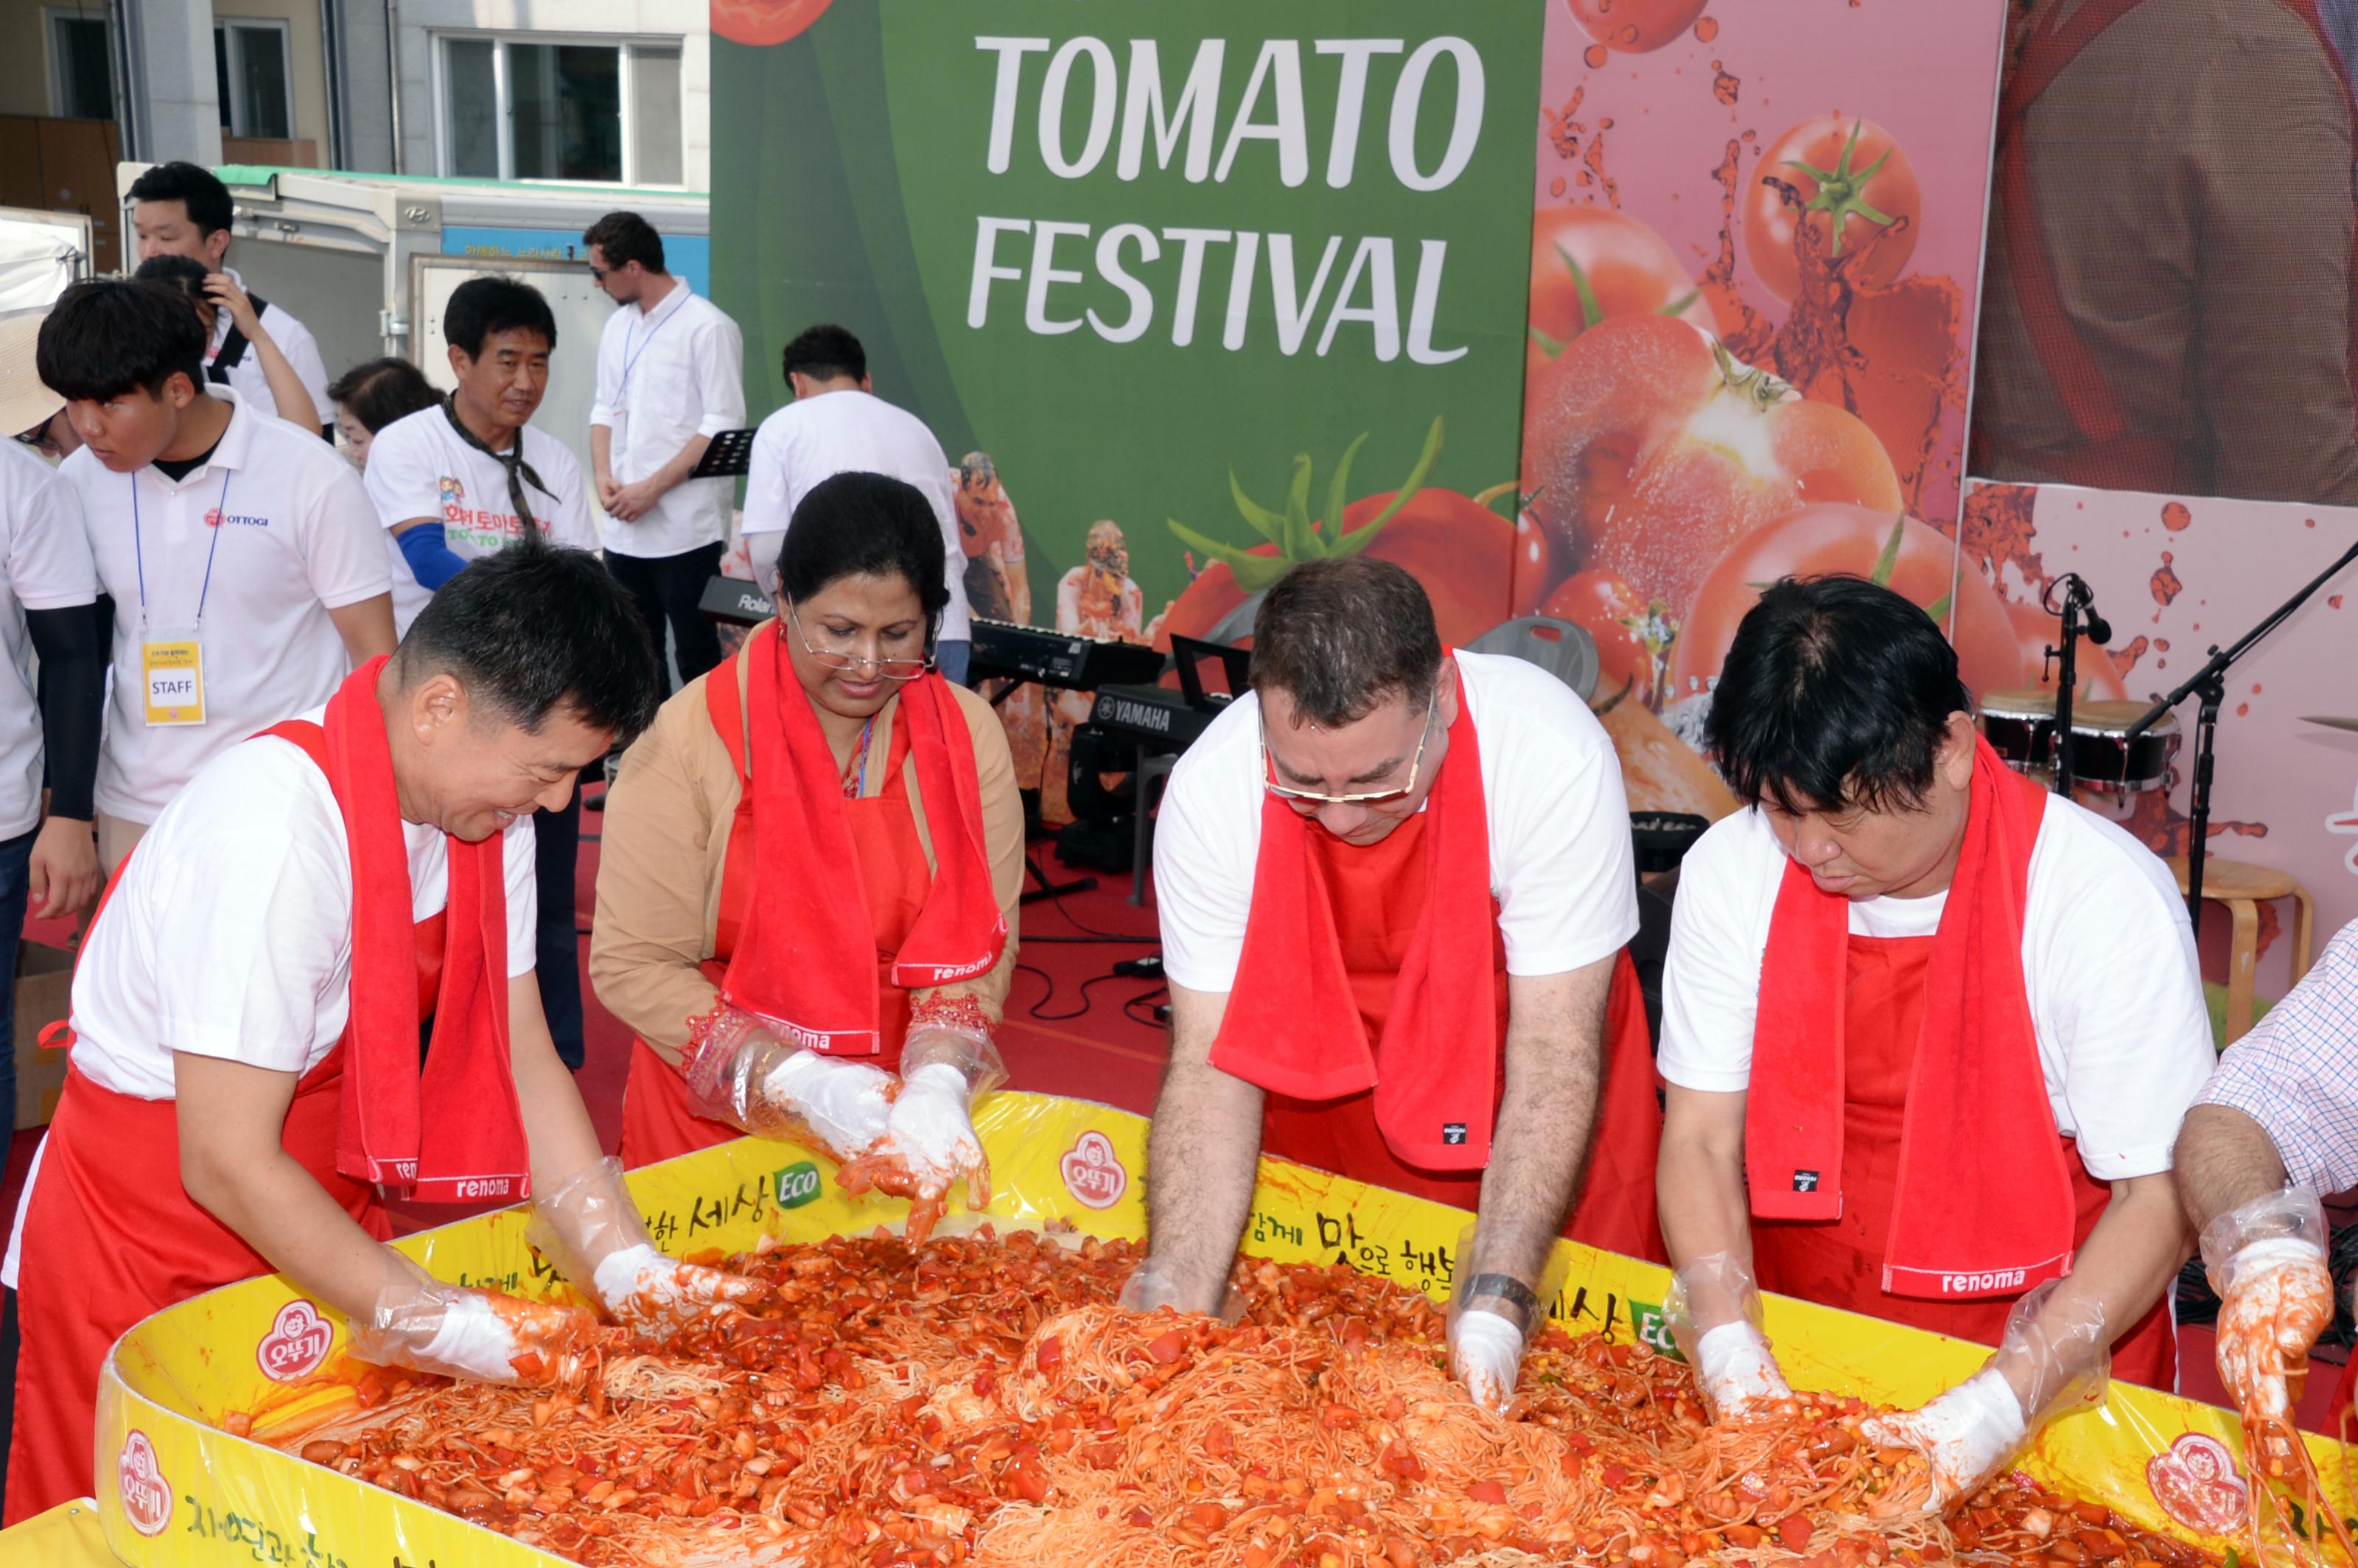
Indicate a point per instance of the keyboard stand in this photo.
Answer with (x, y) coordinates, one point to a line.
(1048, 887)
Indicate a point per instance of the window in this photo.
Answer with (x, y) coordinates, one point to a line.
(250, 74)
(560, 109)
(81, 67)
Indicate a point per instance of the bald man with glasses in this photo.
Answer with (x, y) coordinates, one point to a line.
(1395, 884)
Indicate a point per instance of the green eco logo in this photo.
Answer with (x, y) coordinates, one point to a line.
(797, 1184)
(1653, 1329)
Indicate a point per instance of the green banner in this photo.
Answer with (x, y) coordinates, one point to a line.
(1164, 265)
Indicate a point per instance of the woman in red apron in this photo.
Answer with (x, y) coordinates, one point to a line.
(808, 870)
(1899, 1151)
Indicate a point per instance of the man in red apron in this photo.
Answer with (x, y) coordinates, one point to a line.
(244, 1075)
(1929, 1033)
(2159, 316)
(1394, 885)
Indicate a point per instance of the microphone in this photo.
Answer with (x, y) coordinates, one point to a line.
(2076, 592)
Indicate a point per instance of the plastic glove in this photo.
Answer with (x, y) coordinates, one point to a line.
(423, 1324)
(2267, 1260)
(1486, 1354)
(929, 1142)
(1155, 1285)
(2059, 1357)
(738, 1071)
(1714, 1317)
(589, 1227)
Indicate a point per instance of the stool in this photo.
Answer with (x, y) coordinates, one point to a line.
(2243, 887)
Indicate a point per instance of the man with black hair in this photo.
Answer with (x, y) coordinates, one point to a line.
(671, 376)
(241, 556)
(1929, 1033)
(464, 480)
(836, 424)
(245, 1070)
(181, 209)
(1395, 885)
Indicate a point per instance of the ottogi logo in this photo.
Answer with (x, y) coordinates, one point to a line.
(1805, 1181)
(297, 1344)
(215, 517)
(1093, 1172)
(1453, 1132)
(139, 1485)
(2195, 1481)
(797, 1184)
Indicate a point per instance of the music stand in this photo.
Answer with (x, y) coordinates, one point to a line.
(1189, 654)
(729, 457)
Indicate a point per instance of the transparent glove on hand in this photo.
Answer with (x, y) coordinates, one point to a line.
(421, 1322)
(1714, 1317)
(2059, 1358)
(929, 1142)
(740, 1071)
(2267, 1260)
(1155, 1285)
(1492, 1316)
(589, 1227)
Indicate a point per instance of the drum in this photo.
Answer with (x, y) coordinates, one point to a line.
(2021, 728)
(2102, 757)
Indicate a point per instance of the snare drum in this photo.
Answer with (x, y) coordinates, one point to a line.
(2021, 728)
(2104, 759)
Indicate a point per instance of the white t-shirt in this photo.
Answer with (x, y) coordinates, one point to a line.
(251, 381)
(814, 439)
(2107, 958)
(43, 564)
(418, 466)
(230, 934)
(666, 377)
(297, 539)
(1560, 852)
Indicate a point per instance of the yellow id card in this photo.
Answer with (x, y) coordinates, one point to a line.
(175, 672)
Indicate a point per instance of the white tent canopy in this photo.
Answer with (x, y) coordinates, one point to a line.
(40, 253)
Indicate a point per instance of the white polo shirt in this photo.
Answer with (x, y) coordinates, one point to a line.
(2107, 958)
(666, 377)
(230, 933)
(43, 564)
(248, 379)
(418, 466)
(296, 539)
(813, 439)
(1560, 860)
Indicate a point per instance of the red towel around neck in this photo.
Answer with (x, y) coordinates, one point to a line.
(452, 1133)
(807, 959)
(1984, 1204)
(1292, 1025)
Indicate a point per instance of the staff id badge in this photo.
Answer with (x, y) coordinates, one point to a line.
(174, 668)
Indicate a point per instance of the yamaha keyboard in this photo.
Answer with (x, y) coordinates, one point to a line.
(1154, 717)
(1004, 650)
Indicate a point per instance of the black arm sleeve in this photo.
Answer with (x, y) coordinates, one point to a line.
(73, 697)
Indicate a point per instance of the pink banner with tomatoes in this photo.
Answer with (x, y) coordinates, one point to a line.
(1755, 258)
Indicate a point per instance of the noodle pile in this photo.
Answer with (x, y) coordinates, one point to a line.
(981, 1400)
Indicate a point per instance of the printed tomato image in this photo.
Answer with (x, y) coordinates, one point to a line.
(1462, 551)
(1852, 186)
(764, 21)
(1911, 557)
(1589, 262)
(1537, 564)
(1652, 449)
(1636, 27)
(2099, 678)
(1628, 628)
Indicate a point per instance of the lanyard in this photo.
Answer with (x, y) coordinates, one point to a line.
(139, 559)
(629, 359)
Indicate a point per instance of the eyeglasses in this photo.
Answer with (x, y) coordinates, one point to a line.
(597, 275)
(1370, 797)
(829, 659)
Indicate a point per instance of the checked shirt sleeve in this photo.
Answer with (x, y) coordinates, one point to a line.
(2296, 1073)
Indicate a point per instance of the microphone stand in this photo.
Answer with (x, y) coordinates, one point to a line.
(2209, 683)
(2077, 597)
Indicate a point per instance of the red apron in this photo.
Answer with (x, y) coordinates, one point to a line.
(1378, 892)
(110, 1238)
(2111, 454)
(1840, 1262)
(658, 1120)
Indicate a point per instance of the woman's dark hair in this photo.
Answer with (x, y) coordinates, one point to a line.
(482, 306)
(105, 337)
(864, 524)
(1339, 635)
(535, 625)
(379, 391)
(626, 237)
(183, 274)
(197, 188)
(823, 352)
(1834, 696)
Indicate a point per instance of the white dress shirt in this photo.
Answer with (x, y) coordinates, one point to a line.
(665, 377)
